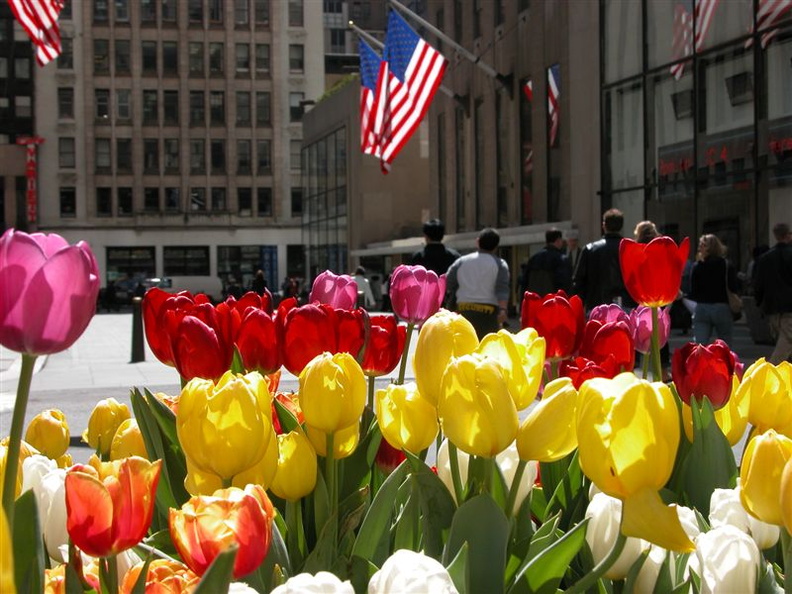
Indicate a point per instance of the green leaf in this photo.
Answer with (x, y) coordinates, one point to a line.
(165, 419)
(28, 545)
(437, 506)
(407, 532)
(219, 575)
(458, 570)
(321, 500)
(277, 559)
(237, 366)
(73, 584)
(539, 503)
(635, 569)
(140, 583)
(360, 573)
(544, 536)
(483, 525)
(287, 419)
(767, 582)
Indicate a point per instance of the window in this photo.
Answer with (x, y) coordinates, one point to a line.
(22, 68)
(170, 57)
(122, 56)
(124, 202)
(102, 98)
(66, 102)
(197, 109)
(150, 107)
(151, 201)
(123, 155)
(245, 201)
(151, 156)
(3, 67)
(104, 202)
(172, 201)
(218, 159)
(295, 150)
(337, 41)
(264, 202)
(242, 108)
(68, 203)
(66, 57)
(195, 12)
(148, 12)
(295, 107)
(171, 155)
(295, 13)
(102, 155)
(66, 159)
(197, 156)
(261, 11)
(215, 58)
(242, 52)
(170, 107)
(100, 11)
(215, 11)
(197, 199)
(241, 12)
(186, 260)
(123, 104)
(196, 51)
(263, 156)
(101, 56)
(244, 157)
(263, 108)
(23, 106)
(296, 58)
(262, 58)
(169, 10)
(216, 107)
(66, 12)
(296, 201)
(149, 53)
(218, 199)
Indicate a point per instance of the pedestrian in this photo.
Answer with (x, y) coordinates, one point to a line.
(480, 283)
(364, 287)
(434, 255)
(573, 249)
(598, 278)
(709, 279)
(259, 284)
(548, 270)
(773, 290)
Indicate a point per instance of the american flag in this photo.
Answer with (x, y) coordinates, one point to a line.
(412, 72)
(553, 97)
(527, 89)
(768, 14)
(370, 64)
(39, 18)
(683, 39)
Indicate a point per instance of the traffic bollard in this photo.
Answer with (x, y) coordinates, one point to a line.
(138, 350)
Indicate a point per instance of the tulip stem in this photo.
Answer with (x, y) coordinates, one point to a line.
(109, 574)
(588, 580)
(515, 486)
(456, 478)
(15, 437)
(786, 547)
(371, 381)
(405, 352)
(332, 489)
(294, 537)
(658, 369)
(645, 365)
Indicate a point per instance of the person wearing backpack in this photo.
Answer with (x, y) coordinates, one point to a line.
(549, 269)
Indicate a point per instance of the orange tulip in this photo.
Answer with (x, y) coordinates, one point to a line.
(206, 526)
(165, 576)
(110, 504)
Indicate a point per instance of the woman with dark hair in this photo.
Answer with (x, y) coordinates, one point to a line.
(710, 277)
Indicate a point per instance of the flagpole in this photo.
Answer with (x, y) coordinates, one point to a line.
(489, 70)
(376, 43)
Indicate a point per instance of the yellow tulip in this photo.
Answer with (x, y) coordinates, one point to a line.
(6, 556)
(332, 392)
(729, 417)
(765, 395)
(628, 435)
(48, 432)
(443, 336)
(296, 475)
(548, 432)
(522, 358)
(407, 420)
(762, 465)
(476, 411)
(128, 441)
(225, 428)
(344, 440)
(786, 496)
(105, 418)
(25, 451)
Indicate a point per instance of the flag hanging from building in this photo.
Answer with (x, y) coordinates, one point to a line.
(553, 98)
(411, 74)
(768, 14)
(39, 18)
(527, 89)
(370, 64)
(683, 39)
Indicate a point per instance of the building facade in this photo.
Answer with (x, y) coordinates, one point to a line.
(173, 133)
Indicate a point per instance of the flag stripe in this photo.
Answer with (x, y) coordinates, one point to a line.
(39, 19)
(705, 11)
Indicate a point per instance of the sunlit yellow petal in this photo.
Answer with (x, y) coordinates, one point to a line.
(646, 516)
(548, 432)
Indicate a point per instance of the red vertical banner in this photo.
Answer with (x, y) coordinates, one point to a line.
(31, 144)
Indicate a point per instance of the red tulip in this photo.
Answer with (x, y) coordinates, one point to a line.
(580, 369)
(384, 346)
(613, 339)
(251, 299)
(652, 271)
(48, 291)
(557, 318)
(206, 526)
(258, 343)
(338, 290)
(388, 458)
(416, 293)
(700, 370)
(109, 505)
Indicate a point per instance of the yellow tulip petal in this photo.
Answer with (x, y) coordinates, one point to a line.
(786, 496)
(344, 441)
(548, 432)
(762, 465)
(646, 516)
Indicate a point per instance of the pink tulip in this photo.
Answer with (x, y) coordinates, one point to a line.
(338, 290)
(641, 323)
(48, 291)
(609, 312)
(416, 293)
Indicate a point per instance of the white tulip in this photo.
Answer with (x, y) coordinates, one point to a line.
(729, 560)
(444, 467)
(408, 572)
(240, 588)
(323, 582)
(601, 533)
(43, 476)
(650, 570)
(508, 460)
(727, 509)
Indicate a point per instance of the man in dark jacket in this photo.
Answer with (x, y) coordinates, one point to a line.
(773, 291)
(549, 269)
(598, 278)
(434, 255)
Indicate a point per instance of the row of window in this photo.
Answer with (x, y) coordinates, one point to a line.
(198, 11)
